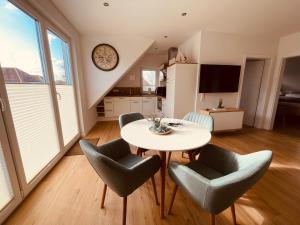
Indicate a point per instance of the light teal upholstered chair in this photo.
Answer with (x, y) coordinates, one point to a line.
(204, 121)
(219, 177)
(120, 170)
(124, 119)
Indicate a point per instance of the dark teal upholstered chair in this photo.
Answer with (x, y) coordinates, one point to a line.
(120, 170)
(219, 177)
(205, 121)
(124, 119)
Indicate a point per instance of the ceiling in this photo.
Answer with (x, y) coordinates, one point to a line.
(156, 18)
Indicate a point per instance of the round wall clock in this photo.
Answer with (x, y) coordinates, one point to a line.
(105, 57)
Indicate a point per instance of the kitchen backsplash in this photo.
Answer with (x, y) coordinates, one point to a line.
(119, 91)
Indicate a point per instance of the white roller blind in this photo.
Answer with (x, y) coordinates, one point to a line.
(34, 124)
(67, 112)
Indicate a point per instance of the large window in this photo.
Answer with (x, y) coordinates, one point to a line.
(149, 78)
(38, 117)
(28, 89)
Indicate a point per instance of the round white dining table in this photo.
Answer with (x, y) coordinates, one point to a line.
(186, 136)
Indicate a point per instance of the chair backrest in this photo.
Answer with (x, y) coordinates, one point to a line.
(104, 160)
(128, 118)
(206, 121)
(247, 170)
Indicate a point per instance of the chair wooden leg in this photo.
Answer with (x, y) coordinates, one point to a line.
(169, 158)
(212, 219)
(138, 152)
(124, 210)
(103, 196)
(191, 156)
(233, 214)
(173, 198)
(154, 189)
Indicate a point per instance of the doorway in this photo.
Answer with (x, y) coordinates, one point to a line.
(288, 106)
(251, 90)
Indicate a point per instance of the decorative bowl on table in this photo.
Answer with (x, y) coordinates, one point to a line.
(161, 130)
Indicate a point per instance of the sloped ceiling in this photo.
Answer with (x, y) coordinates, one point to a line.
(146, 20)
(155, 18)
(97, 82)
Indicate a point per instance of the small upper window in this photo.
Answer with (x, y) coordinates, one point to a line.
(60, 57)
(148, 80)
(20, 53)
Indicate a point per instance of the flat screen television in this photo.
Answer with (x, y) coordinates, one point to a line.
(219, 78)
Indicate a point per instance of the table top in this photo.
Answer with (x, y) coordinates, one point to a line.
(187, 136)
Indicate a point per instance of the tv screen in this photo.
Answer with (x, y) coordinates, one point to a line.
(219, 78)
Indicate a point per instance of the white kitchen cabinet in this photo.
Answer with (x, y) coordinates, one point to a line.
(108, 107)
(181, 90)
(115, 106)
(136, 104)
(121, 106)
(170, 95)
(109, 113)
(164, 107)
(149, 105)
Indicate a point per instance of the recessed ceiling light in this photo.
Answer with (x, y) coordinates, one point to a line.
(165, 36)
(106, 4)
(184, 14)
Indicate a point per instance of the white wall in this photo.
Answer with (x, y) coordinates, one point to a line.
(289, 46)
(223, 48)
(191, 48)
(98, 83)
(149, 61)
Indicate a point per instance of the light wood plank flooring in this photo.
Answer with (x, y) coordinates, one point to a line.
(70, 194)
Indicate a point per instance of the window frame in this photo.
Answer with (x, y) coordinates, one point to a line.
(42, 23)
(156, 79)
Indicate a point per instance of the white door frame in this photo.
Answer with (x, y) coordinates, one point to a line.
(276, 86)
(26, 188)
(4, 213)
(17, 198)
(265, 83)
(49, 26)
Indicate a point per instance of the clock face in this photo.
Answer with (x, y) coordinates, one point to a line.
(105, 57)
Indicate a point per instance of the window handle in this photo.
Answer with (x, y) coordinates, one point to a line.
(3, 105)
(58, 96)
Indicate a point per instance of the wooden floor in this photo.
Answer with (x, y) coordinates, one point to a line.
(70, 194)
